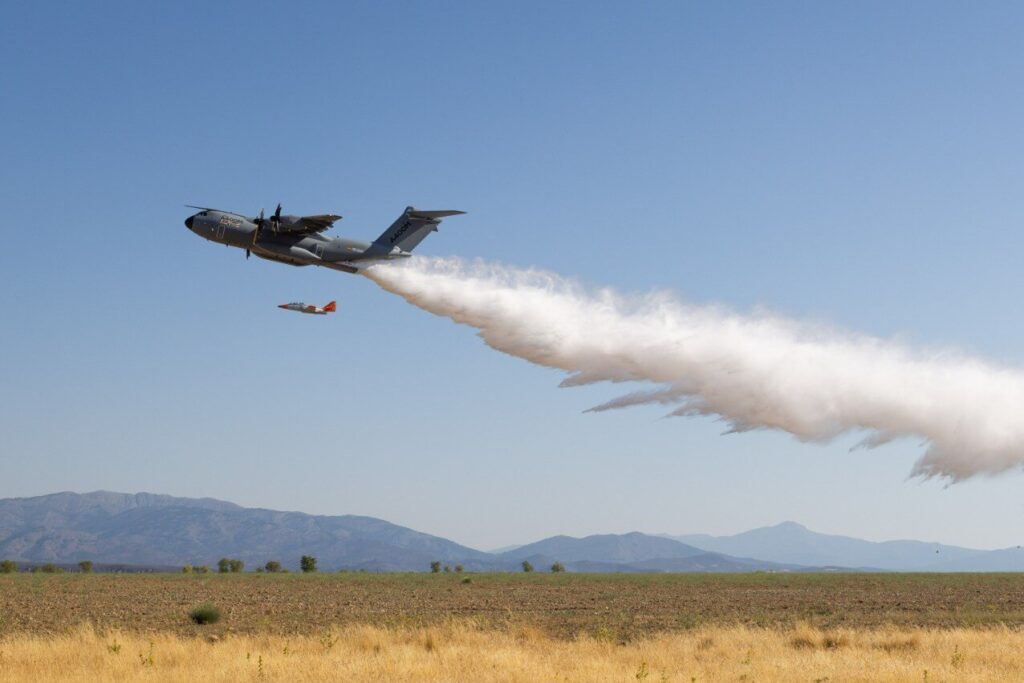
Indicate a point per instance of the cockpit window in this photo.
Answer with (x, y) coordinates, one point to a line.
(202, 213)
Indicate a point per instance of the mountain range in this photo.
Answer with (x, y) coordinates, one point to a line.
(149, 530)
(793, 543)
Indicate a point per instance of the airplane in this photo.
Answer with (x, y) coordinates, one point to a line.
(298, 240)
(306, 308)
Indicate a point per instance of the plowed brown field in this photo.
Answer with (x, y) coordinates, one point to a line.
(613, 607)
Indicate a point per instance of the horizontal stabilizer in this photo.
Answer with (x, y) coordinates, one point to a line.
(416, 213)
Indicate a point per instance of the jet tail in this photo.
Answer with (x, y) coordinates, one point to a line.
(331, 307)
(411, 228)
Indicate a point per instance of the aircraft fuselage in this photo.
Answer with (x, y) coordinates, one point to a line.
(296, 250)
(299, 240)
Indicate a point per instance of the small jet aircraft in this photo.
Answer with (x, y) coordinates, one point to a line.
(298, 240)
(307, 308)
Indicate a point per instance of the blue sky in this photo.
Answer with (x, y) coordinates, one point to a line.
(853, 163)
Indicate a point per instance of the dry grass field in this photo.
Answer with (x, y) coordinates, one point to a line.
(683, 627)
(462, 651)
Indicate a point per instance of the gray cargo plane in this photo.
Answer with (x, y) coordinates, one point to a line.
(297, 240)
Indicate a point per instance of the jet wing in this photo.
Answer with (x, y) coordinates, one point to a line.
(310, 224)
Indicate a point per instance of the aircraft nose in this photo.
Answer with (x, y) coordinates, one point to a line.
(188, 222)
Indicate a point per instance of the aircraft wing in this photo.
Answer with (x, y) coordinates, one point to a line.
(311, 224)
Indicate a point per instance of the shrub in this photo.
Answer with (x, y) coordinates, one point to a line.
(236, 566)
(273, 566)
(204, 614)
(223, 565)
(85, 566)
(458, 569)
(557, 568)
(8, 567)
(447, 569)
(527, 567)
(202, 569)
(187, 569)
(307, 564)
(435, 567)
(48, 568)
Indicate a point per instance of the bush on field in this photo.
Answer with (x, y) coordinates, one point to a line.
(527, 567)
(308, 563)
(435, 567)
(85, 566)
(202, 569)
(187, 569)
(48, 568)
(557, 568)
(273, 566)
(8, 567)
(204, 614)
(227, 564)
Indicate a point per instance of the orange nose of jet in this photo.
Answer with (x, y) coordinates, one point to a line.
(282, 305)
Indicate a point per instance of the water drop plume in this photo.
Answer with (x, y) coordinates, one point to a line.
(756, 371)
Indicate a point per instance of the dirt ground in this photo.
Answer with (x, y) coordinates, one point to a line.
(618, 607)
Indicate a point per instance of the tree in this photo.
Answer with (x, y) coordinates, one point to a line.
(527, 567)
(447, 569)
(435, 567)
(223, 565)
(8, 567)
(308, 563)
(273, 566)
(236, 566)
(458, 569)
(85, 566)
(202, 569)
(187, 569)
(557, 568)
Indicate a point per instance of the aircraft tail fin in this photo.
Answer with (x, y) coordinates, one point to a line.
(411, 228)
(331, 307)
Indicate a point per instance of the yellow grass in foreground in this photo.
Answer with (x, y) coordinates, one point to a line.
(462, 652)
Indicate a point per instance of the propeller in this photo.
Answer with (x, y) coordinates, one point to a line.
(276, 218)
(255, 233)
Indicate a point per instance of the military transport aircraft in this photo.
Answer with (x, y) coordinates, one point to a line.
(297, 240)
(309, 308)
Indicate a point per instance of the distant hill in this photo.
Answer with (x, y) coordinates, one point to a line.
(1005, 560)
(147, 529)
(619, 548)
(122, 531)
(703, 563)
(631, 552)
(791, 543)
(155, 531)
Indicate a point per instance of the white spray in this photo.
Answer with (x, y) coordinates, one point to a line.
(755, 371)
